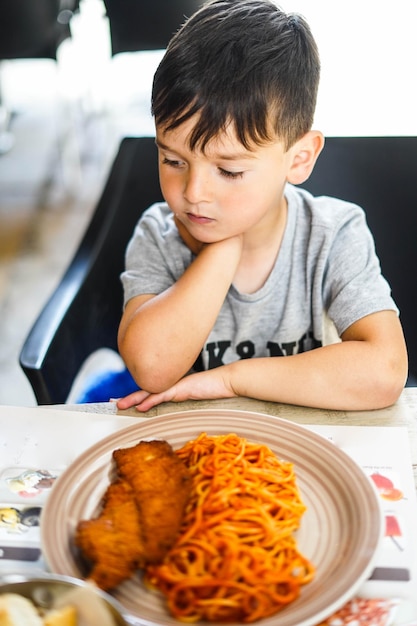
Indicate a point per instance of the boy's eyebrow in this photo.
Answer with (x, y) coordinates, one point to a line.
(219, 155)
(237, 156)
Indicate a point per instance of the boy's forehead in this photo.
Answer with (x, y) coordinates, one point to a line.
(225, 144)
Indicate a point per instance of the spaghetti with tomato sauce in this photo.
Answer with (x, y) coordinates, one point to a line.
(236, 558)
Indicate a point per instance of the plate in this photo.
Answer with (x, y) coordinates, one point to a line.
(340, 531)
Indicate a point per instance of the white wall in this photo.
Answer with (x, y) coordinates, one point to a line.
(368, 50)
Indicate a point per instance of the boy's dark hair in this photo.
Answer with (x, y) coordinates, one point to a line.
(240, 61)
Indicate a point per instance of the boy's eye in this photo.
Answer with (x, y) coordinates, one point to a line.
(176, 163)
(171, 162)
(228, 174)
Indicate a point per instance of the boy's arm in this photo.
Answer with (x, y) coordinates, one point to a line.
(367, 370)
(161, 336)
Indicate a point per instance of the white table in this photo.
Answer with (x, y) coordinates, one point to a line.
(52, 437)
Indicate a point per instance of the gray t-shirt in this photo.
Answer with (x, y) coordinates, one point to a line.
(326, 276)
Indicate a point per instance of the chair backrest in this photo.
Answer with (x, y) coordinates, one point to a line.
(380, 174)
(146, 24)
(34, 30)
(83, 313)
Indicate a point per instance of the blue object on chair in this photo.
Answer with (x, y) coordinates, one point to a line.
(105, 386)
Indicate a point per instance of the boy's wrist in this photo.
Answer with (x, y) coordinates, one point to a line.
(193, 244)
(196, 246)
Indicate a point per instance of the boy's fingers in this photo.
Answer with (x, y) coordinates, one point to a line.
(132, 399)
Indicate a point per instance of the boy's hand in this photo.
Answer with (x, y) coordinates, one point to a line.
(207, 385)
(193, 244)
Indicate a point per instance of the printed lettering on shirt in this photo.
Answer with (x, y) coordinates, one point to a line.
(216, 350)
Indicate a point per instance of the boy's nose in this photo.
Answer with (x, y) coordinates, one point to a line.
(196, 188)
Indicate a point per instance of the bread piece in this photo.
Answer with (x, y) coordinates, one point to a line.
(91, 609)
(16, 610)
(67, 616)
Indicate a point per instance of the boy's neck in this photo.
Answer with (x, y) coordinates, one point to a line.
(260, 251)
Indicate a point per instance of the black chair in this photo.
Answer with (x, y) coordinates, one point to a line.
(145, 24)
(380, 173)
(83, 313)
(31, 30)
(34, 30)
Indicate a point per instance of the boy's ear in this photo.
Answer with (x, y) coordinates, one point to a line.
(304, 156)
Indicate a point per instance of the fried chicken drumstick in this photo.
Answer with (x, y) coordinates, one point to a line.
(141, 514)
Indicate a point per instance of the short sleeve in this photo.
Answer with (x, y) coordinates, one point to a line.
(353, 283)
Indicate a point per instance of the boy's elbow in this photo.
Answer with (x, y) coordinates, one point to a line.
(153, 379)
(390, 382)
(390, 393)
(148, 371)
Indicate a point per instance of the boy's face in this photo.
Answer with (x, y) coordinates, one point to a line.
(225, 191)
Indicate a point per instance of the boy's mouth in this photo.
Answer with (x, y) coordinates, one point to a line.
(199, 219)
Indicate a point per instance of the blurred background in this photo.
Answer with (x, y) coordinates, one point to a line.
(62, 119)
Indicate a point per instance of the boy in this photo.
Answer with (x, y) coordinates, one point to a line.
(235, 285)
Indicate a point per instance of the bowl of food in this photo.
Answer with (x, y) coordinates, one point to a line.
(56, 600)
